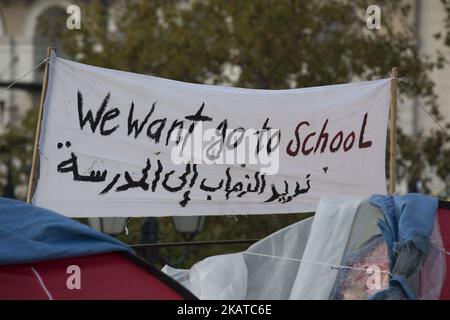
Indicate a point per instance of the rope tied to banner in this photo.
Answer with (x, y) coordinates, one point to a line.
(2, 91)
(401, 80)
(436, 122)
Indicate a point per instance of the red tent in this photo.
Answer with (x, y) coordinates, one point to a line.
(44, 255)
(444, 224)
(103, 276)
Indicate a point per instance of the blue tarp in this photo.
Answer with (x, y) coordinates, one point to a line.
(30, 234)
(409, 220)
(408, 224)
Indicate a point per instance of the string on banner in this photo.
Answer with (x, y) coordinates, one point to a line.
(2, 91)
(424, 109)
(330, 265)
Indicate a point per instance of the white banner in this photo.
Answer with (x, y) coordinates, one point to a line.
(115, 143)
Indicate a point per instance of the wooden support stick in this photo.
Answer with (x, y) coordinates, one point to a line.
(34, 175)
(393, 133)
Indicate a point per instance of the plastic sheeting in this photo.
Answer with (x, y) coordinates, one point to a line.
(370, 264)
(434, 268)
(270, 269)
(244, 275)
(334, 219)
(337, 254)
(369, 273)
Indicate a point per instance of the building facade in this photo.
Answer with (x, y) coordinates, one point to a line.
(22, 47)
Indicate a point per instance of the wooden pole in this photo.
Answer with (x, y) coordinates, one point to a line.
(393, 133)
(34, 175)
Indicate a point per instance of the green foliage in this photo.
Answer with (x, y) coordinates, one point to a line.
(276, 44)
(439, 160)
(215, 228)
(16, 147)
(446, 4)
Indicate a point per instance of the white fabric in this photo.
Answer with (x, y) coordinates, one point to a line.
(329, 236)
(97, 154)
(215, 278)
(242, 276)
(434, 268)
(308, 249)
(321, 239)
(273, 278)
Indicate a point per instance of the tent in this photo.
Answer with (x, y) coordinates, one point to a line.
(444, 222)
(39, 249)
(42, 254)
(332, 256)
